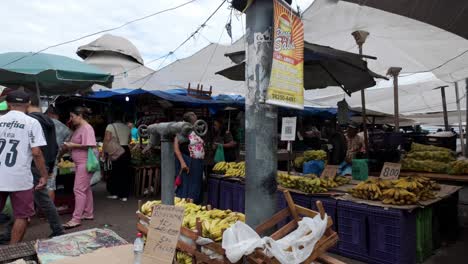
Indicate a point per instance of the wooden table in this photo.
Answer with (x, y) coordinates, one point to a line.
(437, 176)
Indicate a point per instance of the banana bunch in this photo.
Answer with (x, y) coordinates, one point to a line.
(233, 172)
(65, 164)
(230, 169)
(434, 186)
(213, 228)
(399, 196)
(328, 183)
(413, 184)
(368, 190)
(426, 194)
(315, 155)
(286, 180)
(341, 180)
(221, 167)
(298, 162)
(183, 258)
(310, 185)
(147, 208)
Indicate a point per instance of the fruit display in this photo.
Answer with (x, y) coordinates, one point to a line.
(213, 222)
(298, 162)
(458, 167)
(328, 183)
(309, 185)
(424, 165)
(183, 258)
(404, 191)
(341, 180)
(236, 170)
(442, 156)
(315, 155)
(287, 180)
(65, 164)
(415, 147)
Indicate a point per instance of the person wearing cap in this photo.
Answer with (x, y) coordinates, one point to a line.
(354, 142)
(21, 137)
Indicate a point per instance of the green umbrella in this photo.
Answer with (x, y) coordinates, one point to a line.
(48, 73)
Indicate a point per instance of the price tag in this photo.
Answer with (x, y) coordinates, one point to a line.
(163, 234)
(329, 172)
(390, 171)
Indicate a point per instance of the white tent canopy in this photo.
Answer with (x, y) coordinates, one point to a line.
(396, 41)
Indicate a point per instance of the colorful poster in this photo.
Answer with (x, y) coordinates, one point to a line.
(287, 73)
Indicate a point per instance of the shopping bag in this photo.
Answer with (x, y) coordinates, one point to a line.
(219, 154)
(96, 178)
(313, 167)
(92, 164)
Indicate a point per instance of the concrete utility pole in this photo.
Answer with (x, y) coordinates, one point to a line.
(261, 119)
(466, 113)
(394, 72)
(360, 36)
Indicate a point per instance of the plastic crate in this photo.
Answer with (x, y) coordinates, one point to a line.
(213, 192)
(352, 230)
(423, 234)
(392, 236)
(330, 206)
(302, 200)
(232, 196)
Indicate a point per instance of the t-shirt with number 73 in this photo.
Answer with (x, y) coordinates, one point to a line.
(18, 134)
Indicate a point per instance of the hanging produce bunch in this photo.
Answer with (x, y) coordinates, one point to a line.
(404, 191)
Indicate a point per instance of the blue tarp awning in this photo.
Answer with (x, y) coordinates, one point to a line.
(219, 102)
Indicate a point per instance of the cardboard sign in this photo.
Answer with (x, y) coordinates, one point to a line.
(390, 171)
(163, 234)
(288, 129)
(329, 172)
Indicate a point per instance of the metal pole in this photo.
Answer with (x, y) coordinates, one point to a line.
(460, 126)
(261, 119)
(466, 112)
(360, 36)
(394, 72)
(167, 170)
(444, 106)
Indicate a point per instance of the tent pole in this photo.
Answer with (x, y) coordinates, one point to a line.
(460, 126)
(394, 72)
(38, 93)
(466, 111)
(444, 106)
(360, 37)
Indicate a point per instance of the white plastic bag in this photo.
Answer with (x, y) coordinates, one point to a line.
(301, 241)
(240, 240)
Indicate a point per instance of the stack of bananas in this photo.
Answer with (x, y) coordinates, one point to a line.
(310, 185)
(298, 162)
(341, 180)
(230, 169)
(427, 158)
(404, 191)
(213, 221)
(328, 183)
(368, 190)
(183, 258)
(398, 196)
(236, 170)
(288, 181)
(315, 155)
(65, 164)
(458, 167)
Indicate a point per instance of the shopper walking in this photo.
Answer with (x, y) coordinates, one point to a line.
(82, 139)
(21, 137)
(189, 163)
(118, 185)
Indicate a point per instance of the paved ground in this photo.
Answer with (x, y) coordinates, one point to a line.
(120, 216)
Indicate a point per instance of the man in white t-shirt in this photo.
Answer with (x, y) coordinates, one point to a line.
(21, 137)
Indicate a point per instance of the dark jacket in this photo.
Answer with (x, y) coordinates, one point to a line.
(49, 151)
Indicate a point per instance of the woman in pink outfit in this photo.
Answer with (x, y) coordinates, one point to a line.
(82, 139)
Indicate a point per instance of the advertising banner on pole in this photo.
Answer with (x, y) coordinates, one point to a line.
(287, 73)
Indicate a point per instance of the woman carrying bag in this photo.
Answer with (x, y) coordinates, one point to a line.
(81, 146)
(116, 142)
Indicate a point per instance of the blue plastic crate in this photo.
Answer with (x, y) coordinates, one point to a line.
(302, 200)
(232, 196)
(352, 230)
(213, 192)
(392, 236)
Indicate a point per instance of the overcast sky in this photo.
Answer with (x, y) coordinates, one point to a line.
(35, 24)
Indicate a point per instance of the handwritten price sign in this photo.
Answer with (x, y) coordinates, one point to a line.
(329, 172)
(390, 171)
(163, 234)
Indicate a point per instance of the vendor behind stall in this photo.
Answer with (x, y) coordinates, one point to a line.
(354, 142)
(224, 137)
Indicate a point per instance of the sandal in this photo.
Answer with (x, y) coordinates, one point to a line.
(88, 218)
(70, 225)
